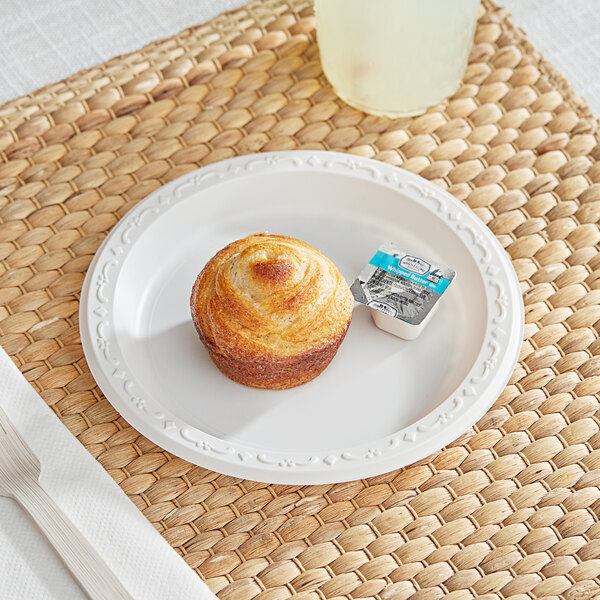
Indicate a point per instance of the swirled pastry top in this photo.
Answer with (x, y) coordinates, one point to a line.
(271, 294)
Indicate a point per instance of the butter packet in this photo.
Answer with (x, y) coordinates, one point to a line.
(402, 289)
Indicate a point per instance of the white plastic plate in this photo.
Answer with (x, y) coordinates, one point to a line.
(382, 403)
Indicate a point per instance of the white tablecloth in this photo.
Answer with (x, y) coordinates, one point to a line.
(43, 42)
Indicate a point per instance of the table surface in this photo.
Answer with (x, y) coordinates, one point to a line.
(44, 42)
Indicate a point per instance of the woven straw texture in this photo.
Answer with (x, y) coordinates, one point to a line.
(511, 510)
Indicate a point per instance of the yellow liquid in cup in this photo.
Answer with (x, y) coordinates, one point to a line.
(395, 57)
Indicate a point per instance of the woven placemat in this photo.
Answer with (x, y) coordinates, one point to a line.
(508, 511)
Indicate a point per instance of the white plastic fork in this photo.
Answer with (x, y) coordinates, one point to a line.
(20, 471)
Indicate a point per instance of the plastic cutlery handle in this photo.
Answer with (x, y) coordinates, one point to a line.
(86, 565)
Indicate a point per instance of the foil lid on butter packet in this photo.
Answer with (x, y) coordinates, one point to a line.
(401, 284)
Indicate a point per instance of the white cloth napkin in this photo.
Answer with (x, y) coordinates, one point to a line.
(29, 569)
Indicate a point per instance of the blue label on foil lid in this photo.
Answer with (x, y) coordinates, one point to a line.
(431, 280)
(400, 284)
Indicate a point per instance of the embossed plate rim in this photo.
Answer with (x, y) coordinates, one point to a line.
(473, 397)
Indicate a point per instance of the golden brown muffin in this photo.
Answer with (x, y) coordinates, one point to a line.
(271, 311)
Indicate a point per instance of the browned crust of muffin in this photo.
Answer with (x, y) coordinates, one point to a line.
(245, 361)
(277, 374)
